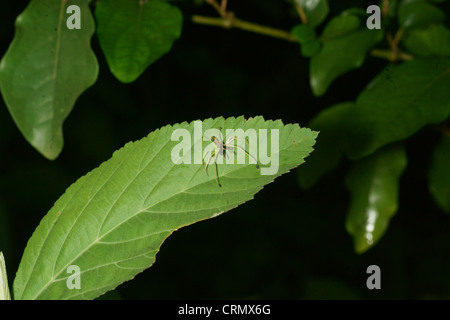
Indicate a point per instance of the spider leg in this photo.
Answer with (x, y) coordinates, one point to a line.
(217, 169)
(210, 156)
(248, 154)
(231, 139)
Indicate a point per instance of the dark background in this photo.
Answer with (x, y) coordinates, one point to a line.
(287, 243)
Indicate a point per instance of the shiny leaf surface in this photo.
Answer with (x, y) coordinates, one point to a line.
(374, 184)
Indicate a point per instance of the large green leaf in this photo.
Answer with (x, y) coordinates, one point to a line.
(315, 10)
(434, 40)
(418, 13)
(46, 69)
(134, 34)
(112, 222)
(399, 101)
(329, 149)
(374, 184)
(341, 51)
(439, 175)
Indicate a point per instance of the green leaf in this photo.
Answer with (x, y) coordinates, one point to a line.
(439, 175)
(303, 33)
(432, 41)
(134, 34)
(329, 149)
(419, 13)
(112, 222)
(374, 185)
(340, 55)
(315, 10)
(45, 70)
(310, 48)
(306, 35)
(4, 288)
(398, 102)
(340, 25)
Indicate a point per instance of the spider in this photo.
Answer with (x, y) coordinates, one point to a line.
(221, 149)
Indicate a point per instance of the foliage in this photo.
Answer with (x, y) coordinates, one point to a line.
(379, 99)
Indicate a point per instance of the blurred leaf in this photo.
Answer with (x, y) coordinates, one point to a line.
(4, 287)
(316, 11)
(112, 222)
(328, 289)
(374, 183)
(434, 40)
(306, 35)
(303, 33)
(310, 48)
(398, 102)
(329, 150)
(393, 8)
(340, 55)
(439, 175)
(340, 25)
(134, 34)
(45, 70)
(419, 13)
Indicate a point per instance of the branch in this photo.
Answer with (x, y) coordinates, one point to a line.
(228, 20)
(233, 22)
(391, 55)
(301, 13)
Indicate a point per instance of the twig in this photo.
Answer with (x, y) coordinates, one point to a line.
(220, 10)
(385, 10)
(228, 20)
(391, 55)
(301, 13)
(394, 54)
(234, 22)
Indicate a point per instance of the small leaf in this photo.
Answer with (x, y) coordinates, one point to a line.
(134, 34)
(329, 149)
(419, 13)
(303, 33)
(340, 55)
(439, 175)
(432, 41)
(112, 222)
(45, 70)
(374, 185)
(4, 288)
(340, 26)
(306, 35)
(315, 10)
(310, 48)
(398, 102)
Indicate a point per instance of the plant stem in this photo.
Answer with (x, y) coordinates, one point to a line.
(228, 20)
(234, 22)
(301, 13)
(220, 10)
(391, 55)
(385, 10)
